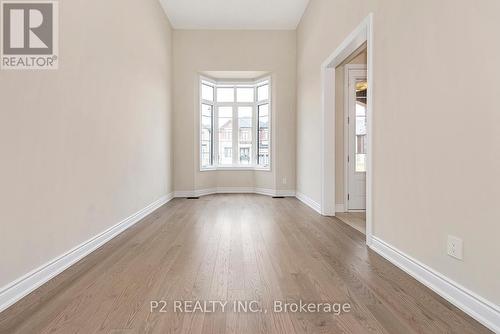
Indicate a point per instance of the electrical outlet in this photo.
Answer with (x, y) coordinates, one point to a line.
(455, 247)
(284, 180)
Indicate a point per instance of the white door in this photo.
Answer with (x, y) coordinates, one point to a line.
(356, 137)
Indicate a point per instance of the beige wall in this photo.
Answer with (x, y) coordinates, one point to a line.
(200, 51)
(87, 145)
(339, 123)
(436, 139)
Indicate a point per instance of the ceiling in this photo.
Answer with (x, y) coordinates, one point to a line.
(235, 14)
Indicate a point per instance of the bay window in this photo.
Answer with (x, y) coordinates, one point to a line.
(235, 124)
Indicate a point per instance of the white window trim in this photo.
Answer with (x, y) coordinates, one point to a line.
(215, 109)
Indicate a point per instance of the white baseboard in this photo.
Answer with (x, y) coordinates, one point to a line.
(234, 190)
(21, 287)
(308, 201)
(484, 311)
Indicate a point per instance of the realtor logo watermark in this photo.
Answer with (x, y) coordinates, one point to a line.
(30, 35)
(248, 306)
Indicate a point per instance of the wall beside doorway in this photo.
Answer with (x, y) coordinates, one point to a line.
(356, 58)
(436, 138)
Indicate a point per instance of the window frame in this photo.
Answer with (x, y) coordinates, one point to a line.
(235, 123)
(257, 115)
(211, 132)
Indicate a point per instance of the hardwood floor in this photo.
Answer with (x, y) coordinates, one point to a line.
(235, 247)
(356, 220)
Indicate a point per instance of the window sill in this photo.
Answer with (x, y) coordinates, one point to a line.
(235, 168)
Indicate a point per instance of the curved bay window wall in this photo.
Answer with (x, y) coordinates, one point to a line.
(235, 124)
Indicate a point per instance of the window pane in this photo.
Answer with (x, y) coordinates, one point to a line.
(225, 135)
(361, 90)
(263, 135)
(245, 135)
(360, 163)
(226, 112)
(245, 94)
(361, 125)
(207, 92)
(361, 144)
(360, 108)
(225, 94)
(361, 120)
(263, 92)
(206, 135)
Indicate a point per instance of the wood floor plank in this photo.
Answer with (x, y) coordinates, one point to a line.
(231, 248)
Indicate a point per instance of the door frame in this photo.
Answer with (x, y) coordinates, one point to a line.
(362, 34)
(347, 69)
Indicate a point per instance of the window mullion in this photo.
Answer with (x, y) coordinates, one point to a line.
(235, 135)
(215, 152)
(257, 115)
(213, 136)
(235, 128)
(216, 135)
(255, 134)
(255, 139)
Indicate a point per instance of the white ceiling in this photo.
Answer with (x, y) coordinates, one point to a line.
(234, 14)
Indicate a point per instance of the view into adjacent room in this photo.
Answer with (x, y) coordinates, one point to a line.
(351, 88)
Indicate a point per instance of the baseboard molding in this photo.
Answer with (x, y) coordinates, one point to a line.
(484, 311)
(309, 202)
(21, 287)
(234, 190)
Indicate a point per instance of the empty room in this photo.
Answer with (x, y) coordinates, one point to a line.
(249, 166)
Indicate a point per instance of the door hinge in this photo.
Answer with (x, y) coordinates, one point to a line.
(348, 196)
(347, 158)
(348, 120)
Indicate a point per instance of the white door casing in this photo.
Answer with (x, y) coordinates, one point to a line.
(362, 34)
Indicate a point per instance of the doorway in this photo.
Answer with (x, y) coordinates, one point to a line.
(351, 156)
(361, 35)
